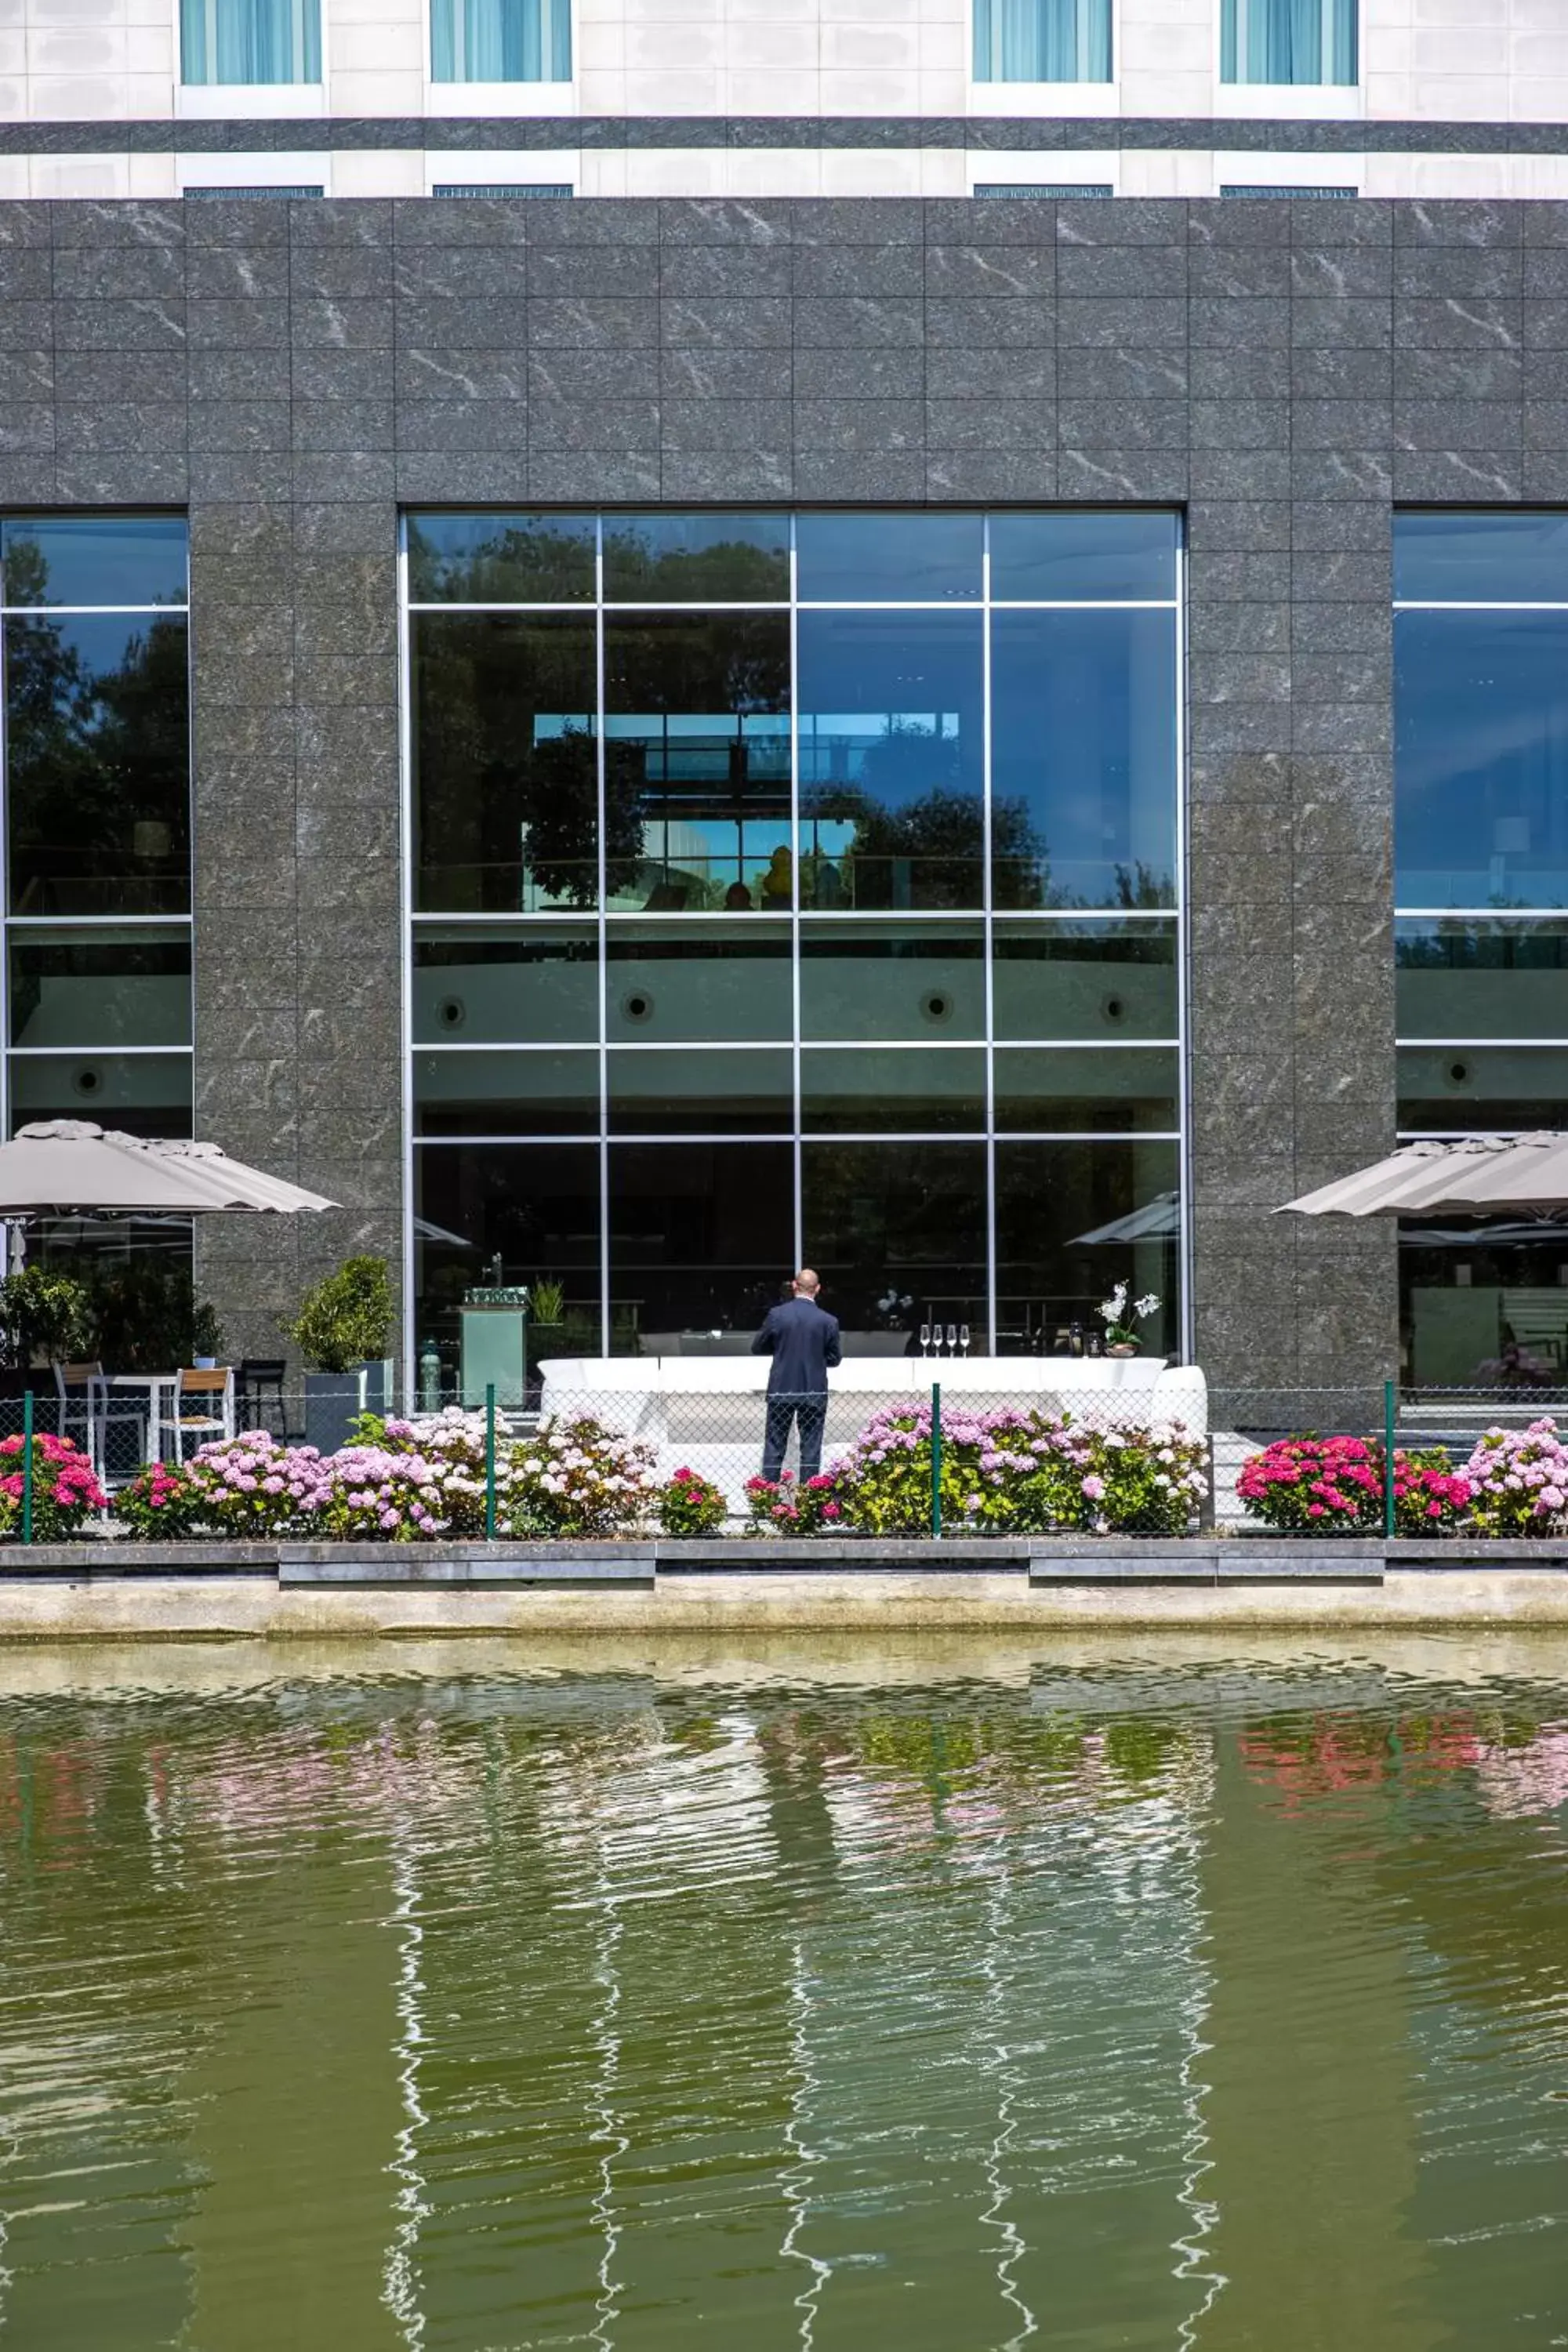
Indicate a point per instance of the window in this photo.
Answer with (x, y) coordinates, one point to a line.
(1042, 40)
(1480, 639)
(249, 41)
(501, 188)
(795, 884)
(1296, 41)
(1247, 189)
(1049, 188)
(286, 192)
(500, 40)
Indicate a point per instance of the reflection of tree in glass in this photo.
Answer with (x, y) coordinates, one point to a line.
(732, 570)
(940, 838)
(98, 764)
(525, 560)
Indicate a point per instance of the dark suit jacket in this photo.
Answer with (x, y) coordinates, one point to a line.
(802, 1340)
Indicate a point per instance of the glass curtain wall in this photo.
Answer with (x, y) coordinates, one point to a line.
(794, 886)
(95, 740)
(1481, 930)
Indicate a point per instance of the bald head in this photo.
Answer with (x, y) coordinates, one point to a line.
(807, 1284)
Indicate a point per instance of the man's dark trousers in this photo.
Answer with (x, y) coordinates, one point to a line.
(783, 1412)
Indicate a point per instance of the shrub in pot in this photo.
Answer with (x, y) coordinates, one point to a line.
(46, 1316)
(343, 1330)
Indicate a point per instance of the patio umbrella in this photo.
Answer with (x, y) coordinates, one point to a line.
(1474, 1175)
(70, 1168)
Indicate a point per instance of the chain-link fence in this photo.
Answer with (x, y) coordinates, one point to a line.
(992, 1449)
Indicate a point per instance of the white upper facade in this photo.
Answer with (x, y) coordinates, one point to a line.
(1386, 62)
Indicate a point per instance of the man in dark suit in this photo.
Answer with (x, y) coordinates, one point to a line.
(802, 1340)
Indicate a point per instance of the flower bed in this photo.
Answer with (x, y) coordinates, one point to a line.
(65, 1491)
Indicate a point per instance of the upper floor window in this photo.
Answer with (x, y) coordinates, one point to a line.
(1042, 40)
(500, 40)
(250, 40)
(1299, 41)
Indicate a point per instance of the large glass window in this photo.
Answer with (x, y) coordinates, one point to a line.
(96, 743)
(1480, 941)
(250, 41)
(500, 40)
(1042, 40)
(786, 862)
(1297, 41)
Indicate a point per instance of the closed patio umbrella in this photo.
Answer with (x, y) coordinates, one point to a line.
(70, 1168)
(1474, 1175)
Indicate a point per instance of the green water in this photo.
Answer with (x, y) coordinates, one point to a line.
(913, 2000)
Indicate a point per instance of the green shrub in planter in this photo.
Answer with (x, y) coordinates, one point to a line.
(45, 1316)
(346, 1318)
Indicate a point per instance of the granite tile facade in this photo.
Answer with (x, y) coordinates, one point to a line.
(1286, 372)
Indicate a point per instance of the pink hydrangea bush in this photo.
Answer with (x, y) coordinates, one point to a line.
(378, 1495)
(1334, 1486)
(249, 1486)
(787, 1506)
(65, 1491)
(690, 1504)
(1518, 1480)
(574, 1477)
(452, 1444)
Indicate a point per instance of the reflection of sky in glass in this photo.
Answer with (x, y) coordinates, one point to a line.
(1481, 759)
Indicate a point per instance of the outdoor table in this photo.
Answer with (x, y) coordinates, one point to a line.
(152, 1386)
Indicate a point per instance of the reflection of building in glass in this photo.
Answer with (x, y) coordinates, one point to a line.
(795, 886)
(1480, 638)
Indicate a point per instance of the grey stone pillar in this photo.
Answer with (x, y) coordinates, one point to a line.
(293, 525)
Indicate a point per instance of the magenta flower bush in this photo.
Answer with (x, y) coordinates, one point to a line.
(1334, 1486)
(65, 1491)
(688, 1504)
(787, 1506)
(1519, 1481)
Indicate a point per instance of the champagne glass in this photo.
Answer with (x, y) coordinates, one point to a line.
(925, 1338)
(964, 1337)
(952, 1338)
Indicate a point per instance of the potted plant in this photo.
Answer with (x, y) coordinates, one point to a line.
(343, 1330)
(1121, 1322)
(46, 1316)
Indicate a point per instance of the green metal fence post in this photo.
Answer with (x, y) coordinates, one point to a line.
(1389, 1417)
(936, 1459)
(490, 1460)
(27, 1466)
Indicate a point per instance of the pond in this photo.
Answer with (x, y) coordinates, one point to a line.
(951, 1999)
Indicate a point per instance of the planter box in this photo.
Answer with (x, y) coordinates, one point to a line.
(332, 1401)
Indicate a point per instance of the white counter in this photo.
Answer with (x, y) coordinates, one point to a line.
(706, 1412)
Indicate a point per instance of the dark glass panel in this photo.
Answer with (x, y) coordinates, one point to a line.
(99, 766)
(1481, 559)
(891, 761)
(100, 987)
(1480, 978)
(94, 560)
(1085, 979)
(715, 1092)
(702, 1236)
(140, 1094)
(1481, 758)
(534, 1207)
(539, 1093)
(872, 981)
(896, 1235)
(718, 983)
(1481, 1089)
(1083, 735)
(1080, 556)
(888, 559)
(898, 1090)
(1484, 1304)
(505, 762)
(697, 754)
(505, 987)
(501, 559)
(1086, 1092)
(697, 559)
(1073, 1220)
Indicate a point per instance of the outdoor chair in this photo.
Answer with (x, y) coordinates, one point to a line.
(203, 1409)
(259, 1395)
(81, 1396)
